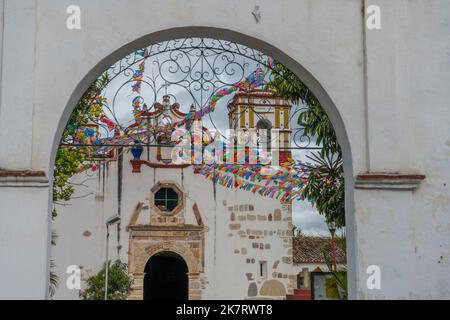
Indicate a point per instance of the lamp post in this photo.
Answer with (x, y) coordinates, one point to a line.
(112, 220)
(332, 228)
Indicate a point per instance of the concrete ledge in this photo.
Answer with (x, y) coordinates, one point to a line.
(23, 178)
(388, 181)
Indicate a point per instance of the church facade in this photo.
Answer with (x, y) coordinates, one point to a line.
(182, 236)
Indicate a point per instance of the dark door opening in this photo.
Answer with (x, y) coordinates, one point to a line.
(166, 277)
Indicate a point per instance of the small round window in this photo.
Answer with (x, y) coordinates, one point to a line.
(166, 199)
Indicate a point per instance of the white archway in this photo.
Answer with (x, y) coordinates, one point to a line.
(312, 83)
(394, 110)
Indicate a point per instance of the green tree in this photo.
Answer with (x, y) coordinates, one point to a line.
(119, 283)
(70, 159)
(325, 177)
(339, 276)
(53, 285)
(297, 231)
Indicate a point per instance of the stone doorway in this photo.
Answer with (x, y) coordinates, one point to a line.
(185, 241)
(166, 277)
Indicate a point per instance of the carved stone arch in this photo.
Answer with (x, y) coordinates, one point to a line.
(142, 251)
(181, 249)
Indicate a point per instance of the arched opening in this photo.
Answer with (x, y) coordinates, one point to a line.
(166, 277)
(313, 85)
(264, 127)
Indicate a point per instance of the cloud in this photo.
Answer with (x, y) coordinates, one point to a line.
(308, 219)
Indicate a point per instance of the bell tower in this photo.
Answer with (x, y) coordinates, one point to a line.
(266, 112)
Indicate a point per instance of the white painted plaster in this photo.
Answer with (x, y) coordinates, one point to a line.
(403, 108)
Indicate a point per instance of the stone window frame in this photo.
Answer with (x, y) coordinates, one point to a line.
(167, 197)
(167, 184)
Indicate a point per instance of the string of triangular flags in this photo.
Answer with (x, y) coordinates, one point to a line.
(253, 80)
(284, 182)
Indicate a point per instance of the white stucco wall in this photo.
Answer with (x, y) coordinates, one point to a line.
(385, 90)
(225, 268)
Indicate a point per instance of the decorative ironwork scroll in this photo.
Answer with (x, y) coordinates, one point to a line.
(153, 92)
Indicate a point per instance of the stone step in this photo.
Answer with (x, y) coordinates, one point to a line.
(135, 295)
(134, 298)
(138, 287)
(297, 297)
(302, 291)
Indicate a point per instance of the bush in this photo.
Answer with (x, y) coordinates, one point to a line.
(119, 283)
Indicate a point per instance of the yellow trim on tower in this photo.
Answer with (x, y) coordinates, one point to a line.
(242, 116)
(286, 140)
(277, 118)
(286, 117)
(158, 152)
(251, 118)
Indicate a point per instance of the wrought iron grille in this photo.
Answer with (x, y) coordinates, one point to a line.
(192, 73)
